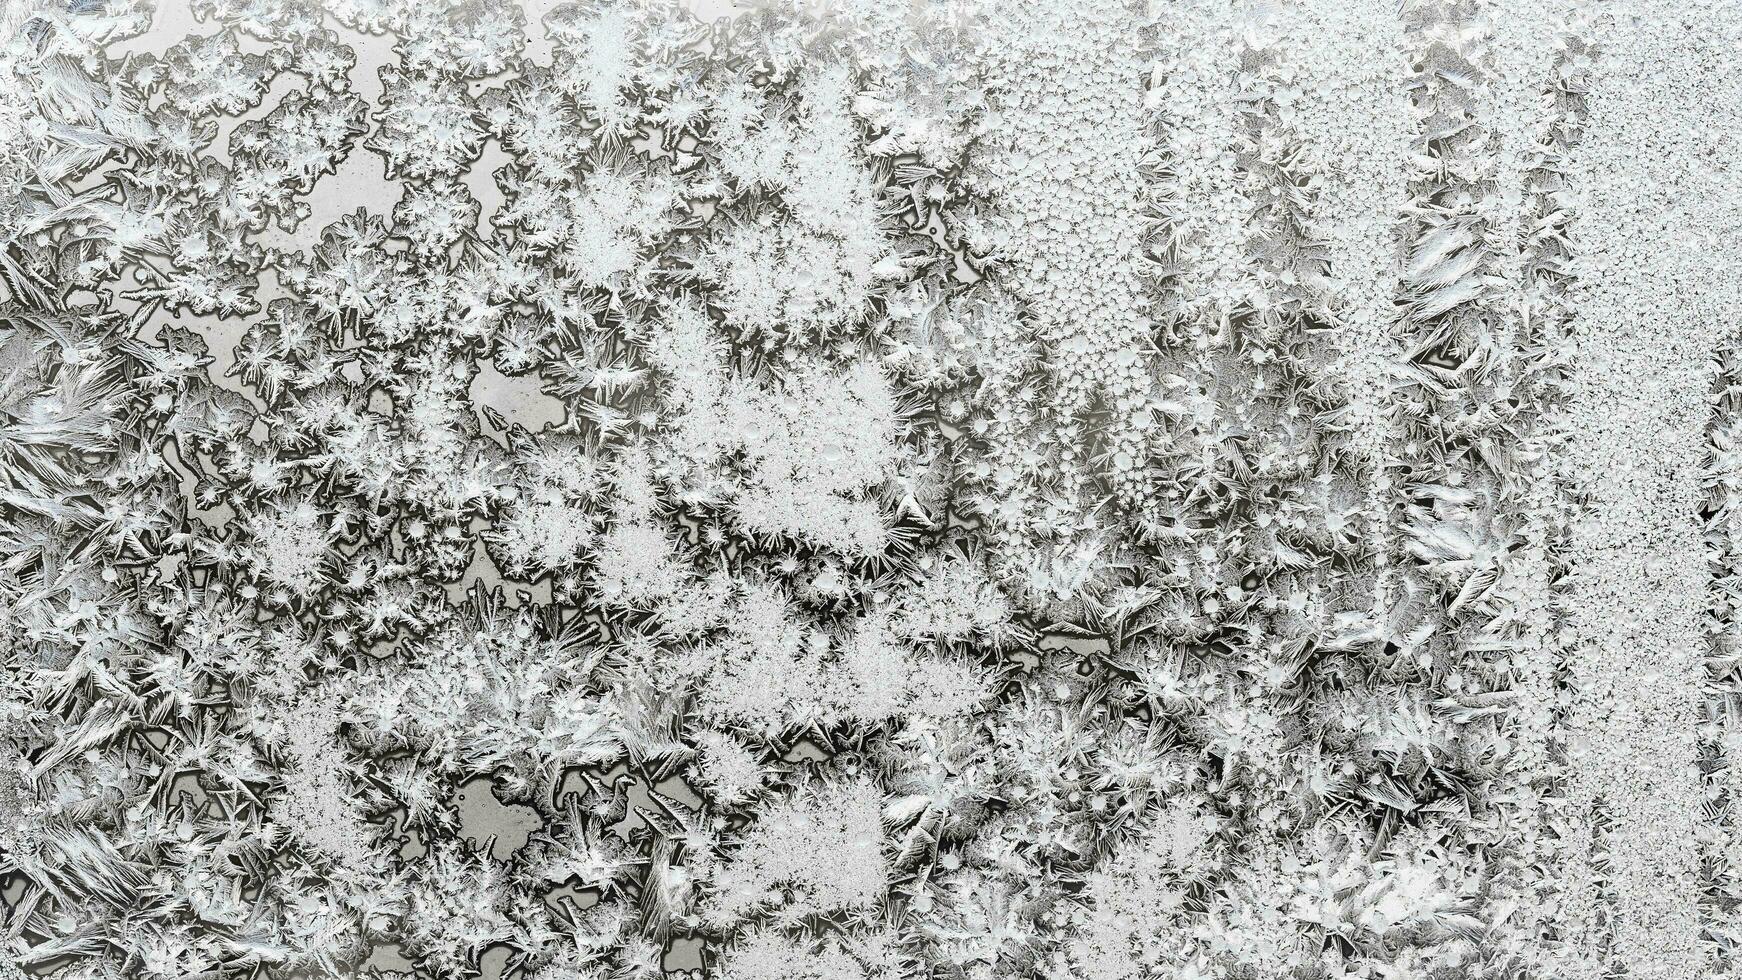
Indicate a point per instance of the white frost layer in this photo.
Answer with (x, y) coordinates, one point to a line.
(1656, 233)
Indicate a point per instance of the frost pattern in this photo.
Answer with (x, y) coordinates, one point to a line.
(601, 489)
